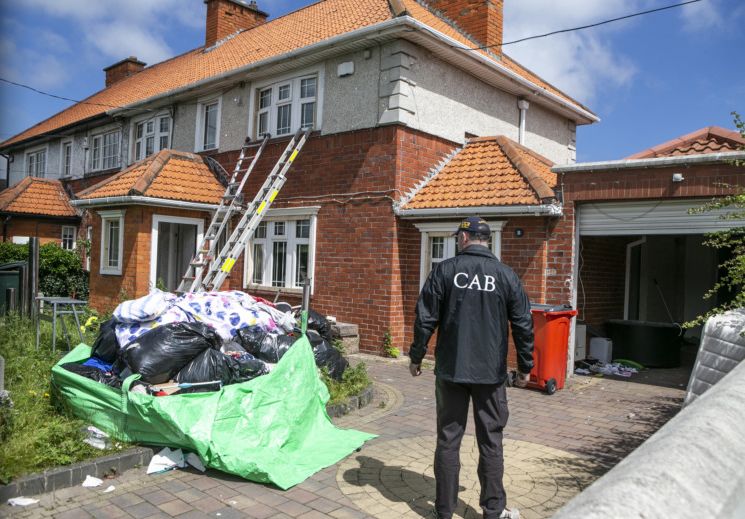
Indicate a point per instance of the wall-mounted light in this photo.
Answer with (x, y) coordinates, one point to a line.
(677, 177)
(519, 232)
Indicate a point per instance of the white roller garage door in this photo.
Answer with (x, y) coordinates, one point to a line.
(649, 217)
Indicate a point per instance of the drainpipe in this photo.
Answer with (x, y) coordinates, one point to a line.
(523, 105)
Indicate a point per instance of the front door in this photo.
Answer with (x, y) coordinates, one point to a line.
(175, 244)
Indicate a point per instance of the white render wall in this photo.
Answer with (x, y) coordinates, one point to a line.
(398, 82)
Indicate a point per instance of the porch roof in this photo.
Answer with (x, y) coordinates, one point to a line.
(167, 175)
(37, 196)
(487, 172)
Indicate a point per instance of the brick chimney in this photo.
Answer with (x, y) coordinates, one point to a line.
(226, 17)
(122, 70)
(480, 19)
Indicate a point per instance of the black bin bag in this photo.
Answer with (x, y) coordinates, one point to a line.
(215, 366)
(318, 323)
(209, 366)
(327, 356)
(94, 373)
(264, 346)
(106, 347)
(163, 351)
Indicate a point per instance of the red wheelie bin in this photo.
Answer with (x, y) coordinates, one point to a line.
(551, 326)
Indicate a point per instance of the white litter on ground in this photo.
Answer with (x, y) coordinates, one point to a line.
(166, 460)
(21, 501)
(91, 482)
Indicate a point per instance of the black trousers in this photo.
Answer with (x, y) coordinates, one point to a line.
(490, 416)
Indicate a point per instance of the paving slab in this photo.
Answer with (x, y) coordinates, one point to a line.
(555, 446)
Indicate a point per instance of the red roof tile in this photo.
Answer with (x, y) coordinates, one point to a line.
(37, 196)
(707, 140)
(489, 171)
(312, 24)
(169, 174)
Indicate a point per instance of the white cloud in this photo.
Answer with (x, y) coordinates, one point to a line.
(119, 40)
(702, 16)
(581, 63)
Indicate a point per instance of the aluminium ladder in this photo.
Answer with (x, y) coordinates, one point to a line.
(219, 267)
(229, 204)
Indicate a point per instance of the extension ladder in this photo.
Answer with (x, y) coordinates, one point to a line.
(230, 203)
(218, 267)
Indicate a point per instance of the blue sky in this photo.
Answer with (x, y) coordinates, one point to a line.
(650, 79)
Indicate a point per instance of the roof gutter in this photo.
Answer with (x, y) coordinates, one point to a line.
(382, 29)
(143, 200)
(517, 210)
(658, 162)
(504, 70)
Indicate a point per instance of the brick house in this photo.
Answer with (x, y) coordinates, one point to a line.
(39, 208)
(416, 126)
(640, 254)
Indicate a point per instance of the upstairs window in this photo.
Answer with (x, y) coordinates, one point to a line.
(151, 136)
(105, 154)
(284, 107)
(66, 159)
(37, 164)
(208, 125)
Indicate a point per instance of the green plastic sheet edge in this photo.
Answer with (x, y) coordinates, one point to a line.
(272, 429)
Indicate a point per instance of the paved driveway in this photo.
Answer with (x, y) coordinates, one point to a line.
(554, 447)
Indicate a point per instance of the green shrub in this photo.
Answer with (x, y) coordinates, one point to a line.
(61, 272)
(353, 381)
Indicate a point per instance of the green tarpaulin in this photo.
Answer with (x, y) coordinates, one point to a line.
(272, 429)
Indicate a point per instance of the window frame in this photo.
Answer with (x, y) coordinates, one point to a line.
(106, 218)
(295, 102)
(139, 141)
(89, 237)
(200, 134)
(289, 217)
(71, 238)
(66, 159)
(100, 160)
(445, 229)
(32, 158)
(154, 232)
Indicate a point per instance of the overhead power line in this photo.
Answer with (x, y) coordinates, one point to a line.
(586, 26)
(474, 48)
(55, 96)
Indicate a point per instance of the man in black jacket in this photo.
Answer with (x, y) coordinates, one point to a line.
(470, 299)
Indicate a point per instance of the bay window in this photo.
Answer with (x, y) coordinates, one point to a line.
(280, 252)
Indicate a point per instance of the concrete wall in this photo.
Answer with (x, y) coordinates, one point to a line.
(722, 349)
(691, 467)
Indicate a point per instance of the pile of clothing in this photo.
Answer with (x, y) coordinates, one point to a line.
(200, 341)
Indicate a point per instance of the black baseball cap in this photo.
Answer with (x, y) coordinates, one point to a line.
(473, 224)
